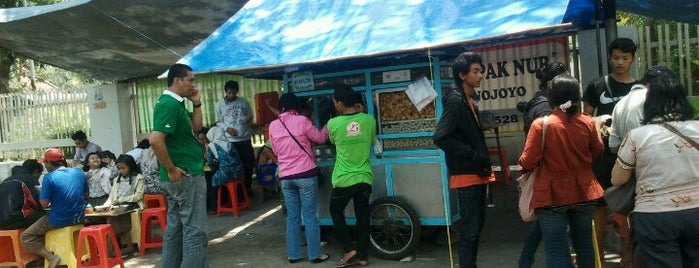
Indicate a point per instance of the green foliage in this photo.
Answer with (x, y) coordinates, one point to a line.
(44, 121)
(630, 19)
(46, 76)
(20, 3)
(60, 126)
(17, 77)
(676, 52)
(57, 130)
(21, 155)
(695, 105)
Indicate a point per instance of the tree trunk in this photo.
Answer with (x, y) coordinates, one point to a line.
(7, 59)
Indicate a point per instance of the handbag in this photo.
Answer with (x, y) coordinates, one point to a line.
(319, 172)
(526, 184)
(621, 199)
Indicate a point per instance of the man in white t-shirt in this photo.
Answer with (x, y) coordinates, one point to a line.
(628, 112)
(234, 115)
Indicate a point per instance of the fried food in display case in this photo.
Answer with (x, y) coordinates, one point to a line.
(408, 143)
(397, 114)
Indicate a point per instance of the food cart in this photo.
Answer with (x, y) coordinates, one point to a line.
(410, 186)
(410, 189)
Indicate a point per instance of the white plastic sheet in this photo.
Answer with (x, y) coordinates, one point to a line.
(421, 93)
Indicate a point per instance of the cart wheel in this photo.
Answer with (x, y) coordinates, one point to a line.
(395, 228)
(428, 230)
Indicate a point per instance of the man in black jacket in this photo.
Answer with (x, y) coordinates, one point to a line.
(539, 105)
(19, 210)
(460, 136)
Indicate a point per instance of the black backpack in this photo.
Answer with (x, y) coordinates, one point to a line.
(16, 202)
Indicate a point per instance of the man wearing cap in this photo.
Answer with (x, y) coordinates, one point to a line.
(65, 191)
(234, 115)
(181, 170)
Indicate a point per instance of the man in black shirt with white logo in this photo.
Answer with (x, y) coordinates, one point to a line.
(600, 97)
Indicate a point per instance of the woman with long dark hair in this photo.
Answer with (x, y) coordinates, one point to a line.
(664, 154)
(565, 189)
(129, 185)
(537, 107)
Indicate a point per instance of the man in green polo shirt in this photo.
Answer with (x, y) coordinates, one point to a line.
(352, 132)
(181, 170)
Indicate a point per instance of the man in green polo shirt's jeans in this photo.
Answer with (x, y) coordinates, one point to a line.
(181, 170)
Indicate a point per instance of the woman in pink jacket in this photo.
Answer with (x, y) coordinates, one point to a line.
(291, 136)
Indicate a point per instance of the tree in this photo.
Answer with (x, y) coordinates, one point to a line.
(7, 57)
(676, 53)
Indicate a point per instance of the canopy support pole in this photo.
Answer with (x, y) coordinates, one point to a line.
(598, 21)
(609, 9)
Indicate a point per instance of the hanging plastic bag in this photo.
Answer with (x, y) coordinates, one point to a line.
(421, 93)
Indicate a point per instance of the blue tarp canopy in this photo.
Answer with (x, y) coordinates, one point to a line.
(270, 37)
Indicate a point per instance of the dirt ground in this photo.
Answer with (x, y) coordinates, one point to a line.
(257, 239)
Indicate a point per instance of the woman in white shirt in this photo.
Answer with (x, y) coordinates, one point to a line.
(666, 213)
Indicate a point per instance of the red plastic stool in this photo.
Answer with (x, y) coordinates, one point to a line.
(154, 200)
(504, 163)
(148, 217)
(12, 252)
(96, 236)
(235, 206)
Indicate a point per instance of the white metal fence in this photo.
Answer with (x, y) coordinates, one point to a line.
(33, 121)
(673, 45)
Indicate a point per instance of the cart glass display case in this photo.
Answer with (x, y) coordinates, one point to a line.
(398, 115)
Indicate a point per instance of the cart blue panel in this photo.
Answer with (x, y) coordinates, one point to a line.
(417, 180)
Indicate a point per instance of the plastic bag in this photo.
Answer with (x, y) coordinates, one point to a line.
(526, 184)
(421, 93)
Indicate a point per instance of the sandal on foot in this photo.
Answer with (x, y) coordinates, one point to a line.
(349, 255)
(344, 263)
(320, 259)
(362, 262)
